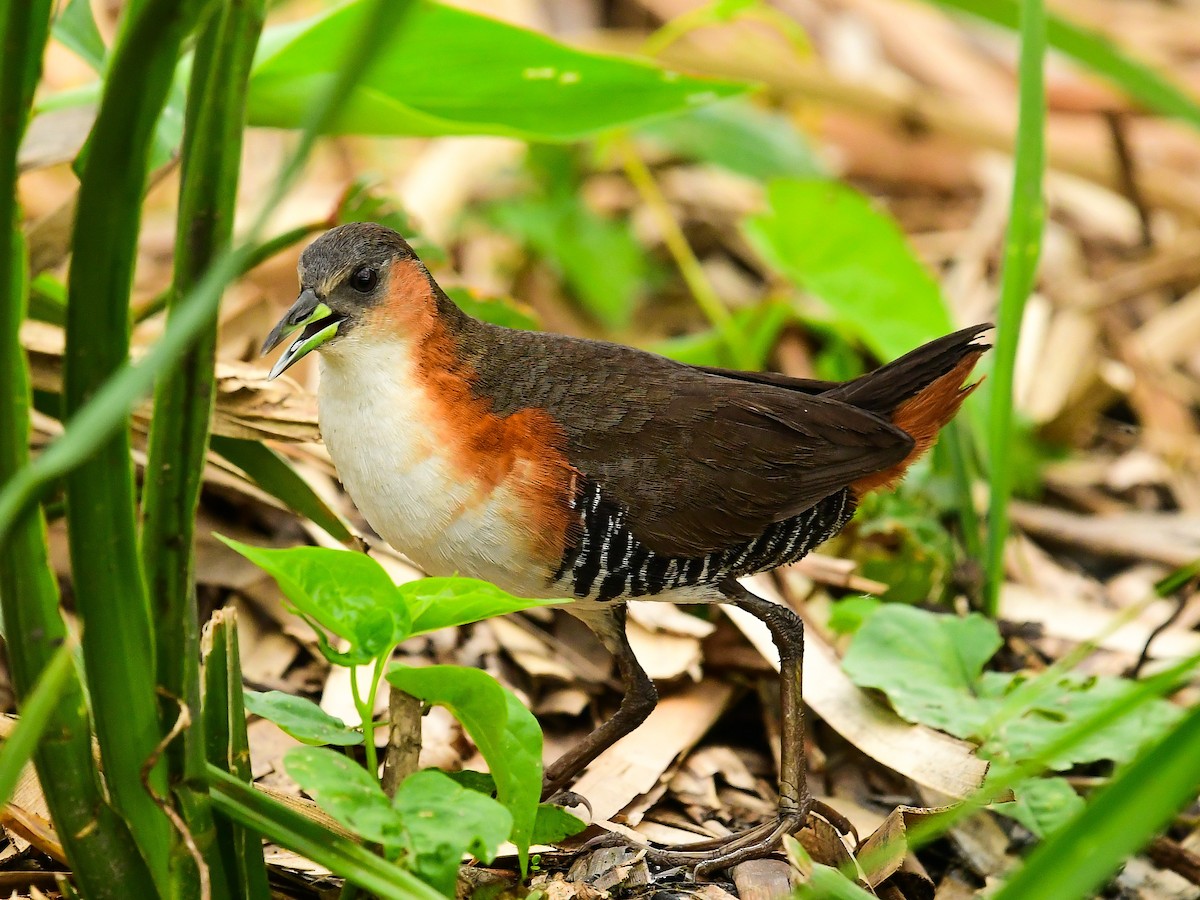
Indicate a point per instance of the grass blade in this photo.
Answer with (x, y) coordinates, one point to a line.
(110, 591)
(1139, 802)
(183, 401)
(36, 713)
(227, 748)
(103, 855)
(271, 472)
(1022, 247)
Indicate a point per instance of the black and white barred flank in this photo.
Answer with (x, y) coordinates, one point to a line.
(609, 562)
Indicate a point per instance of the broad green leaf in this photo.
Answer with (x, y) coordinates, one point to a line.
(302, 719)
(505, 732)
(1063, 701)
(832, 242)
(346, 593)
(48, 300)
(455, 72)
(75, 28)
(271, 472)
(554, 823)
(1079, 857)
(497, 310)
(739, 136)
(443, 602)
(926, 663)
(348, 792)
(443, 820)
(1043, 805)
(598, 257)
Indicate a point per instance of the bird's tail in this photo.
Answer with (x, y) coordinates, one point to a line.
(919, 393)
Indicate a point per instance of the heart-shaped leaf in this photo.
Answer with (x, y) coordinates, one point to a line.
(346, 593)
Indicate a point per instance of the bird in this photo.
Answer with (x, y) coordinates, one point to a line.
(561, 467)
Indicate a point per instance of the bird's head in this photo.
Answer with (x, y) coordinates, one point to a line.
(354, 278)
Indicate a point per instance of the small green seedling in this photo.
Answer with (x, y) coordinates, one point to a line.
(434, 817)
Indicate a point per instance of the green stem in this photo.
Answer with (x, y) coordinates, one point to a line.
(104, 859)
(183, 401)
(685, 259)
(1022, 247)
(109, 587)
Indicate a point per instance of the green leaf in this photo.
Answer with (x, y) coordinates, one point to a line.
(740, 137)
(1043, 805)
(271, 472)
(926, 663)
(454, 72)
(497, 310)
(346, 593)
(1135, 806)
(443, 820)
(1061, 701)
(48, 300)
(348, 792)
(75, 29)
(554, 823)
(443, 602)
(505, 732)
(302, 719)
(831, 241)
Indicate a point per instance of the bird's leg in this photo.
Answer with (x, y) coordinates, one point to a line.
(787, 631)
(608, 622)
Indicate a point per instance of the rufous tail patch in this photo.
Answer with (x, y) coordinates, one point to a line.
(922, 416)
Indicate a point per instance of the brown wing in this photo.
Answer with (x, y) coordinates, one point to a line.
(701, 461)
(704, 463)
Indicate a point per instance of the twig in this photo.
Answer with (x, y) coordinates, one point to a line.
(404, 739)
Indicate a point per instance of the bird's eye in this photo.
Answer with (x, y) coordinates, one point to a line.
(364, 280)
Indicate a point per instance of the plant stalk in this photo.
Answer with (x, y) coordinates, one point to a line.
(102, 854)
(183, 402)
(1022, 247)
(109, 586)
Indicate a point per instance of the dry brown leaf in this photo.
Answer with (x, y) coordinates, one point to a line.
(635, 763)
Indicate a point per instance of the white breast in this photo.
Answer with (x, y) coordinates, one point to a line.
(391, 455)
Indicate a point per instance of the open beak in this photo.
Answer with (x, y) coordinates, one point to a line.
(316, 323)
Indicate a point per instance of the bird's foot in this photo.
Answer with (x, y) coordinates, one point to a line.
(707, 857)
